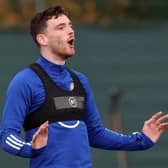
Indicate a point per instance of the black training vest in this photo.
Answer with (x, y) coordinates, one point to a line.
(59, 105)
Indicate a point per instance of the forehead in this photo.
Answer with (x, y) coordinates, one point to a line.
(59, 20)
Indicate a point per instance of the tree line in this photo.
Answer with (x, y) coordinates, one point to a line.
(16, 14)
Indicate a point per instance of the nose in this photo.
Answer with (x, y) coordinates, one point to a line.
(70, 30)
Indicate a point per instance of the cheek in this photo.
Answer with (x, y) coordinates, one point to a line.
(57, 42)
(53, 40)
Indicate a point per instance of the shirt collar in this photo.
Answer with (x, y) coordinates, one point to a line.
(50, 66)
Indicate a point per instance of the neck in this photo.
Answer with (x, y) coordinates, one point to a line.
(54, 58)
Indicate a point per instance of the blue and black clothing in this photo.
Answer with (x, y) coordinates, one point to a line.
(69, 139)
(61, 105)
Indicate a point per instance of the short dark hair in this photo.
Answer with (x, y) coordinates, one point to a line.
(38, 22)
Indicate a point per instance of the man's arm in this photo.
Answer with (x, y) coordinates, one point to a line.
(14, 144)
(101, 137)
(17, 105)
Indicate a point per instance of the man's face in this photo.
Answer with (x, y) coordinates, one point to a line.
(60, 36)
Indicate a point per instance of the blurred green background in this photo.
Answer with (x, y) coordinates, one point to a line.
(119, 44)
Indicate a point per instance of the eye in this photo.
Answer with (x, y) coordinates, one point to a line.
(71, 26)
(60, 27)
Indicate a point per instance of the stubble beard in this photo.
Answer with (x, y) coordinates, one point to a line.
(62, 52)
(63, 55)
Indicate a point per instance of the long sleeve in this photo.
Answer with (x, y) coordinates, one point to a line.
(104, 138)
(12, 143)
(17, 104)
(26, 93)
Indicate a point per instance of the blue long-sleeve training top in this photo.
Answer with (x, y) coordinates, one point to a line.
(69, 142)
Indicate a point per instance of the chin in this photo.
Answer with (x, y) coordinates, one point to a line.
(68, 56)
(71, 54)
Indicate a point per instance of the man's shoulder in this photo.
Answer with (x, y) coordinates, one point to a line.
(22, 80)
(80, 75)
(24, 75)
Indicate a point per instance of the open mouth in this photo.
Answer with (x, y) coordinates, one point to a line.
(71, 42)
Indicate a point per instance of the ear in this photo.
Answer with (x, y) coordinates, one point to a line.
(41, 39)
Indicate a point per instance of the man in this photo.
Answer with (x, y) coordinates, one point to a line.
(55, 105)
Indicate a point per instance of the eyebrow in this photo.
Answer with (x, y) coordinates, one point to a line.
(63, 24)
